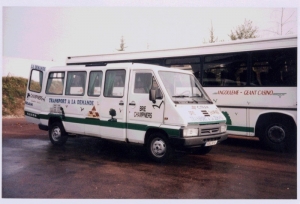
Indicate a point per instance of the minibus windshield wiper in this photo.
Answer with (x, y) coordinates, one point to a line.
(203, 97)
(184, 96)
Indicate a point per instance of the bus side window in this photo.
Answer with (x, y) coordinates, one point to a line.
(274, 68)
(243, 77)
(36, 80)
(228, 70)
(210, 79)
(55, 83)
(95, 83)
(289, 75)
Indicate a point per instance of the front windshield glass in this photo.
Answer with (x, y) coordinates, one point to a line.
(183, 88)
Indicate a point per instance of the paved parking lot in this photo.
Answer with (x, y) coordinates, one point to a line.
(92, 168)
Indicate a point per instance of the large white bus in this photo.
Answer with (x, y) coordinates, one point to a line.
(253, 82)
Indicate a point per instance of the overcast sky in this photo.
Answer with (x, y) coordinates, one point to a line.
(42, 31)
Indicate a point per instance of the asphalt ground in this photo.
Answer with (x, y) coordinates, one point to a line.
(92, 168)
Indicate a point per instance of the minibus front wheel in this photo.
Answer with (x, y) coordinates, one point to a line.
(158, 147)
(57, 134)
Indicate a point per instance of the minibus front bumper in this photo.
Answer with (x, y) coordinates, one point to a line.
(190, 142)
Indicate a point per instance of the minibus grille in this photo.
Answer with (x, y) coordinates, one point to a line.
(209, 131)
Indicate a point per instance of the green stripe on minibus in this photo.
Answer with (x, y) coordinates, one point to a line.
(134, 126)
(94, 121)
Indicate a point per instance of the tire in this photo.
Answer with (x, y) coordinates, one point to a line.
(158, 147)
(276, 134)
(57, 134)
(201, 150)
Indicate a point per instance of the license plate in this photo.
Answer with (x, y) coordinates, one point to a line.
(210, 143)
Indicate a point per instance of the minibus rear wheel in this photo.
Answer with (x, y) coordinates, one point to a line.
(158, 147)
(57, 134)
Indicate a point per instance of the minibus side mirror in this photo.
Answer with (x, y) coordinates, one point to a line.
(153, 90)
(152, 95)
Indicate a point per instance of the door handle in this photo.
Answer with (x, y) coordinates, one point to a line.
(132, 103)
(121, 103)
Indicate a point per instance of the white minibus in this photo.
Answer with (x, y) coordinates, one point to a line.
(158, 107)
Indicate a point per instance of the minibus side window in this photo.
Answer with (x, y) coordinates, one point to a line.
(36, 80)
(114, 83)
(75, 83)
(142, 83)
(95, 83)
(55, 83)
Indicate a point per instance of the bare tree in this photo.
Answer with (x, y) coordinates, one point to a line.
(212, 38)
(122, 45)
(282, 22)
(244, 31)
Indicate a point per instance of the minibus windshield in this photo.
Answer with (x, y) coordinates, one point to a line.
(183, 88)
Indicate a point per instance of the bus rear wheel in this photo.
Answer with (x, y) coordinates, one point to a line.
(276, 135)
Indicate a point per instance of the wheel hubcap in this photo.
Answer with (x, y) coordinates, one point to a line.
(56, 134)
(158, 147)
(276, 134)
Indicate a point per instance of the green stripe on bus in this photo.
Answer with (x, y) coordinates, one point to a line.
(240, 129)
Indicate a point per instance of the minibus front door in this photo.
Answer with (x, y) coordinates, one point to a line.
(142, 112)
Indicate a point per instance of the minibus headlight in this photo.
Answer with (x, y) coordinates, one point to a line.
(223, 128)
(190, 132)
